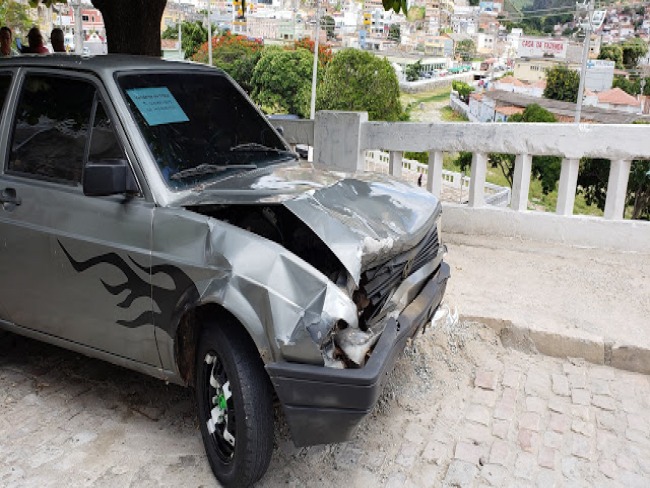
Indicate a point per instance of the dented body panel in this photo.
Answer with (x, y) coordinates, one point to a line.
(329, 273)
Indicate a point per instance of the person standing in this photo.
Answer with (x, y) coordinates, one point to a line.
(58, 40)
(5, 42)
(36, 45)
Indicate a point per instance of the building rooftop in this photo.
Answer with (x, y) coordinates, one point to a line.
(566, 109)
(616, 96)
(511, 80)
(509, 110)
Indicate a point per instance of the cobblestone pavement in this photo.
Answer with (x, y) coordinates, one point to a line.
(459, 410)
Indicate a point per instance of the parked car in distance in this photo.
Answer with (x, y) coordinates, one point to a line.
(152, 217)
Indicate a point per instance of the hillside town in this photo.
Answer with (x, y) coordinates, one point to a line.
(508, 50)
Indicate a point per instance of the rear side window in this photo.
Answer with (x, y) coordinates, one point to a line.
(5, 82)
(52, 128)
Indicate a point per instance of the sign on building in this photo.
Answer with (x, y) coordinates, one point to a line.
(599, 75)
(532, 47)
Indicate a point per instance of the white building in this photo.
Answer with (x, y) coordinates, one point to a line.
(464, 20)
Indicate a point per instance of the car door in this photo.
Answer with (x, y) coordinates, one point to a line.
(78, 267)
(5, 85)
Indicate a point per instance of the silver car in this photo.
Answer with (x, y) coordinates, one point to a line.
(152, 217)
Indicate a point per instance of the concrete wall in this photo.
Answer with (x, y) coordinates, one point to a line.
(341, 139)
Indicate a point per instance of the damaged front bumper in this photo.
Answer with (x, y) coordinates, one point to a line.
(325, 405)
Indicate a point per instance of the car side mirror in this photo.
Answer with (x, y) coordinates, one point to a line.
(109, 177)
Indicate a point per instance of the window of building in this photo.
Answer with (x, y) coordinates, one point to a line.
(84, 18)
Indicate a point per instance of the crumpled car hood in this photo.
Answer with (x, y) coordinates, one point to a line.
(363, 218)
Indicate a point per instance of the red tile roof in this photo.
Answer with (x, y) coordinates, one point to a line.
(511, 80)
(509, 110)
(616, 96)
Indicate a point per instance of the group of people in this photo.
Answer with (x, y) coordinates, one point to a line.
(36, 45)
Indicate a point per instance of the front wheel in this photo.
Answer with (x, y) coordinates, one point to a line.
(234, 401)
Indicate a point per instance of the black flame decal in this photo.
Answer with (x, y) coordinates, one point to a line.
(169, 301)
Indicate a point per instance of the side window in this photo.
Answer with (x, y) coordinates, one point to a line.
(103, 142)
(51, 128)
(5, 83)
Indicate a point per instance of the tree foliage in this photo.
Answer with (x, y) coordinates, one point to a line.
(396, 5)
(463, 89)
(324, 51)
(562, 84)
(592, 183)
(593, 178)
(193, 36)
(234, 54)
(357, 80)
(613, 52)
(633, 49)
(465, 49)
(545, 168)
(282, 81)
(412, 71)
(14, 15)
(633, 87)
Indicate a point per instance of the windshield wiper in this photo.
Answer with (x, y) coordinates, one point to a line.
(206, 169)
(256, 147)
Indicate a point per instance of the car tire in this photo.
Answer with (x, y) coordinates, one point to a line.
(232, 387)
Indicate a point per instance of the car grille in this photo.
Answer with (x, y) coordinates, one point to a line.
(380, 281)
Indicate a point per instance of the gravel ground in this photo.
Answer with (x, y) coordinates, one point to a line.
(458, 409)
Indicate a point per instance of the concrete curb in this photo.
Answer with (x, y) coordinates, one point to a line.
(569, 343)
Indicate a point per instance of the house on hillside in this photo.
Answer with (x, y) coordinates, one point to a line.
(502, 114)
(491, 106)
(615, 99)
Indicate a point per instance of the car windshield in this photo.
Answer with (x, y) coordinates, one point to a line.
(199, 127)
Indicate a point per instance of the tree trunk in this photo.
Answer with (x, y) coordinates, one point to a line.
(132, 26)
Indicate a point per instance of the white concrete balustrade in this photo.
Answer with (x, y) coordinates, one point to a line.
(341, 139)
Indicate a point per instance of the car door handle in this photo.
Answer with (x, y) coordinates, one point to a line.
(8, 196)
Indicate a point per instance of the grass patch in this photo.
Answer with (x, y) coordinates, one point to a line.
(438, 95)
(447, 114)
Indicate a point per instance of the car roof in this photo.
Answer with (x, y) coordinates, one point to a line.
(104, 64)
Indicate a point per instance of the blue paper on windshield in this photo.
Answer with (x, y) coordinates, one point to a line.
(157, 105)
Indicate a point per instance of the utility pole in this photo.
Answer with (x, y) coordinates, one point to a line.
(585, 55)
(78, 27)
(314, 73)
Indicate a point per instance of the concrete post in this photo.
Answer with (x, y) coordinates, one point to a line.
(477, 180)
(619, 173)
(337, 139)
(395, 163)
(434, 176)
(521, 182)
(566, 194)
